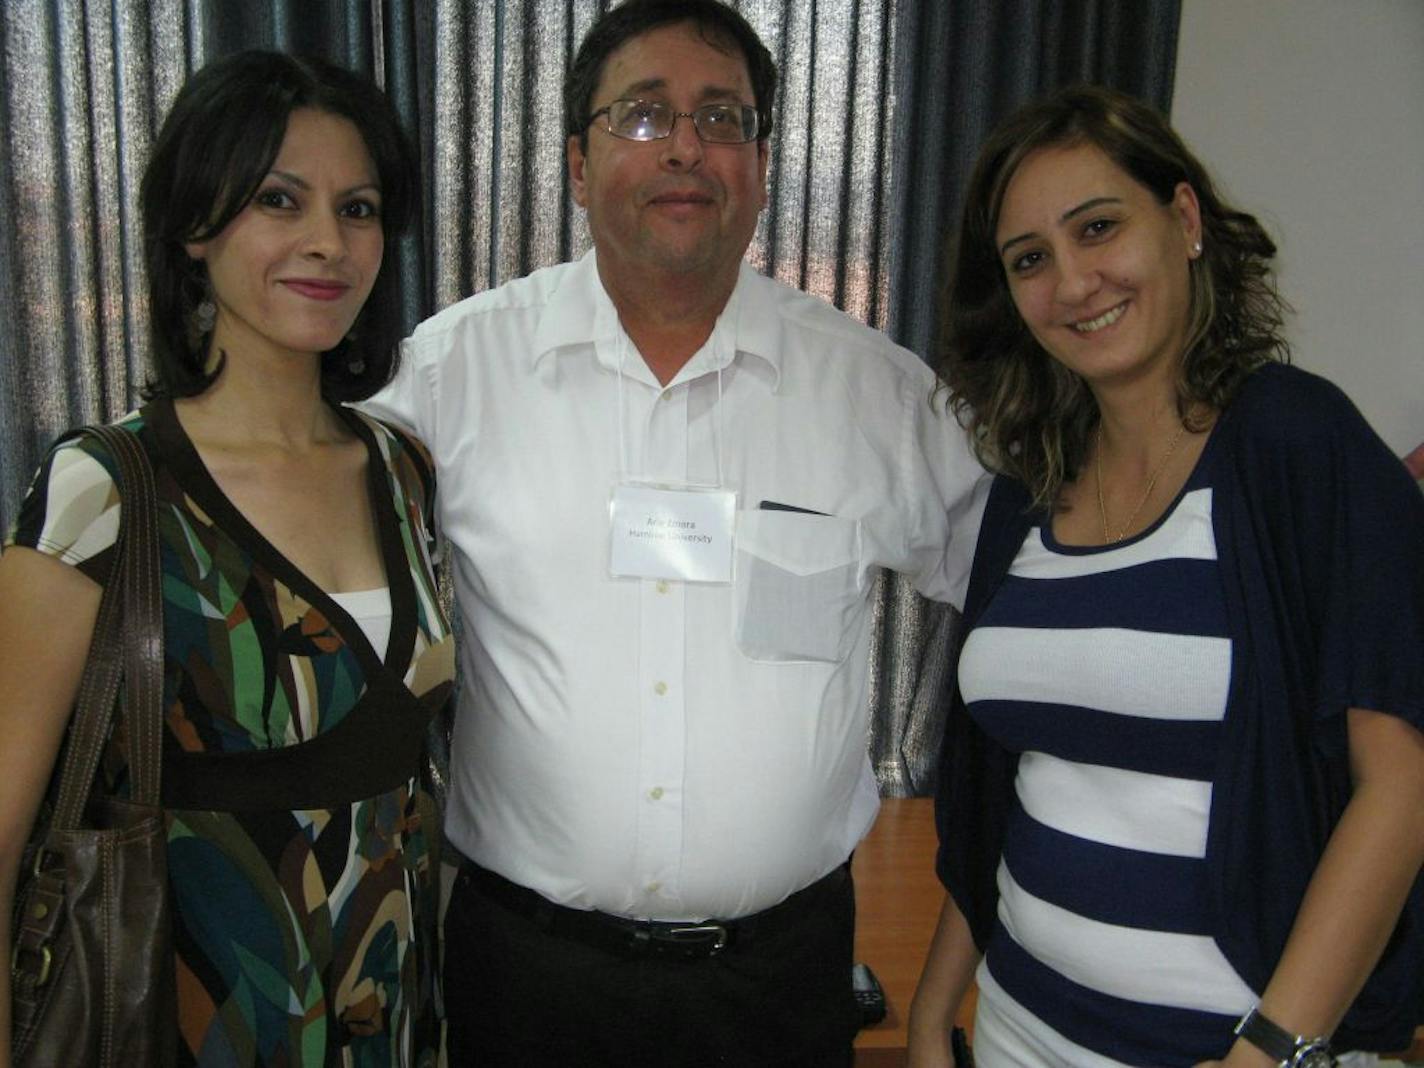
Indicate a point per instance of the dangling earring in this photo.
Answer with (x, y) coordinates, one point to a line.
(354, 363)
(201, 320)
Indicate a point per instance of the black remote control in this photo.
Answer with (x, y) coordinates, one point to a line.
(869, 998)
(959, 1046)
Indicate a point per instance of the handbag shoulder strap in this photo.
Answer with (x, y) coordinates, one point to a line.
(127, 644)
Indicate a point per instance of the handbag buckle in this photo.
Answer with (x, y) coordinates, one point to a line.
(46, 959)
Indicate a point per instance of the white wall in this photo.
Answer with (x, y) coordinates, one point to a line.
(1310, 113)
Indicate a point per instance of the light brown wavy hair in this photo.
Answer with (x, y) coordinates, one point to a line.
(1030, 417)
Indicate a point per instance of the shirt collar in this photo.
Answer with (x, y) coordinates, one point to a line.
(577, 313)
(758, 326)
(580, 315)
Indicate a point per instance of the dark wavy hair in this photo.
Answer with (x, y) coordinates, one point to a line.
(1029, 416)
(216, 146)
(719, 25)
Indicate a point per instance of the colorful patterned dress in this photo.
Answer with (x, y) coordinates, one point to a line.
(300, 840)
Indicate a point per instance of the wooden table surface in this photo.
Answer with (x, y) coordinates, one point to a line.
(897, 905)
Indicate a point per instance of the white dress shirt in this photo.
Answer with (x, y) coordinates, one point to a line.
(649, 747)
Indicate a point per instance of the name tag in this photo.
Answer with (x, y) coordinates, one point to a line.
(660, 532)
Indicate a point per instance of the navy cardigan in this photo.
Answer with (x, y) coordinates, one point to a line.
(1320, 538)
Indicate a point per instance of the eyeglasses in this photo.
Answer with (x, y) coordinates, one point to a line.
(652, 120)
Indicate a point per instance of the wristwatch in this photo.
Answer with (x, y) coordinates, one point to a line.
(1288, 1050)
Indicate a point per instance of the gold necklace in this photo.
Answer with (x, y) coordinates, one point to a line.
(1151, 484)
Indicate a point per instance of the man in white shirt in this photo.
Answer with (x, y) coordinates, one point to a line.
(667, 483)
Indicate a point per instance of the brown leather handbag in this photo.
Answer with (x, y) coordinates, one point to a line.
(92, 966)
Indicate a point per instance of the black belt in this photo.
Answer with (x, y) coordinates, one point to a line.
(653, 938)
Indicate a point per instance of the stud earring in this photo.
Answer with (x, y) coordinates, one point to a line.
(1196, 250)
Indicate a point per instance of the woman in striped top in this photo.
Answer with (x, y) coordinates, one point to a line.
(1182, 796)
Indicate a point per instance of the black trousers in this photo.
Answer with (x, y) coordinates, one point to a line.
(519, 997)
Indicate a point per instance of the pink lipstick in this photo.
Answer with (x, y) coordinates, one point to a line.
(315, 288)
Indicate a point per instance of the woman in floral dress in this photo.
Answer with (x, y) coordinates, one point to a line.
(305, 651)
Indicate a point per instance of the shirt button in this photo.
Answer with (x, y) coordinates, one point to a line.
(660, 688)
(653, 888)
(662, 586)
(656, 793)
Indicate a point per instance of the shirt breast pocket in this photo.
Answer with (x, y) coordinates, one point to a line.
(797, 585)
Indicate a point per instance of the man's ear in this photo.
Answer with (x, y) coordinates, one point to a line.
(763, 158)
(577, 161)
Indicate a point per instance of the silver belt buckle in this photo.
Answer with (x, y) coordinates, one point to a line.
(698, 933)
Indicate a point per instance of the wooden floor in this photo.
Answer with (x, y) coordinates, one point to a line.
(897, 904)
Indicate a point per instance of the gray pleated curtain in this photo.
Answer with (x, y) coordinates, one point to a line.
(882, 107)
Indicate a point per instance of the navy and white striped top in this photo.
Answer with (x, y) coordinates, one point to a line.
(1108, 669)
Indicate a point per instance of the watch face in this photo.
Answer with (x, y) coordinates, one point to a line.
(1314, 1058)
